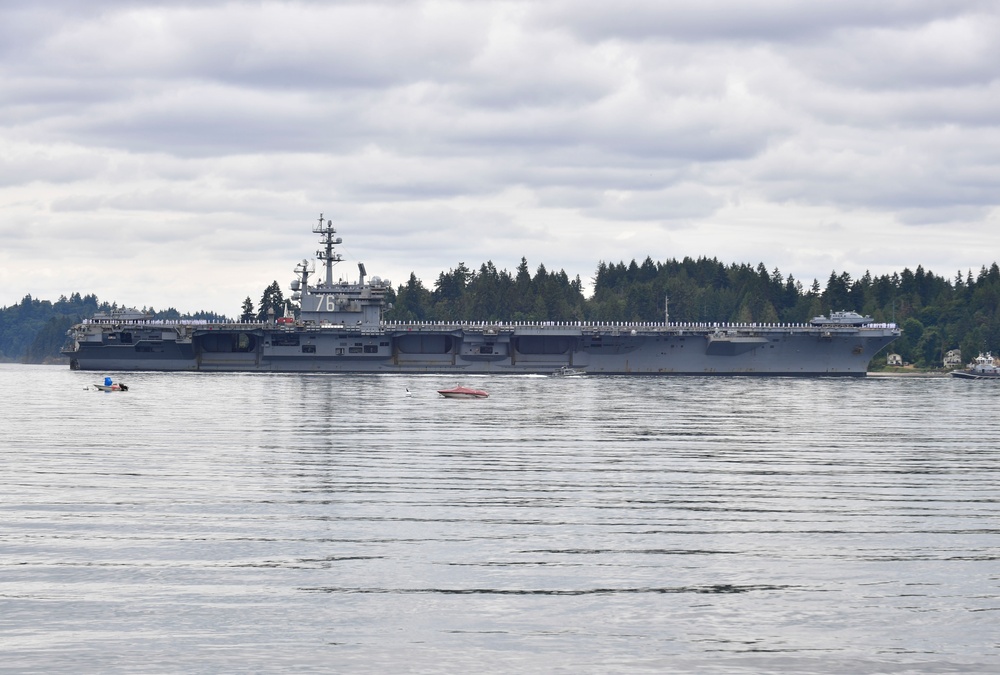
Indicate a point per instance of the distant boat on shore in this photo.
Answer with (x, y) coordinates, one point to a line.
(983, 368)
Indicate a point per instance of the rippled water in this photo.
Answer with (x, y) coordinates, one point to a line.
(320, 523)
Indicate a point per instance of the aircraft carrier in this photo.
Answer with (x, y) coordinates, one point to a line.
(341, 329)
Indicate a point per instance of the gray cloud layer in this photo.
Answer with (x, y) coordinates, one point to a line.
(187, 146)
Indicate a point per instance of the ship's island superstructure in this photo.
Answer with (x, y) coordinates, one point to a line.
(341, 329)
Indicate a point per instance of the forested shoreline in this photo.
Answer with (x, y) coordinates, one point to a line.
(935, 313)
(33, 331)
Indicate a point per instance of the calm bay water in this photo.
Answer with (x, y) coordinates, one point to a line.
(320, 523)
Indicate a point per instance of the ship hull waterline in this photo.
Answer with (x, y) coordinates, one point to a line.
(656, 352)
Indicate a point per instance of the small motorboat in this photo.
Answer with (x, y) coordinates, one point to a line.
(566, 371)
(463, 392)
(110, 386)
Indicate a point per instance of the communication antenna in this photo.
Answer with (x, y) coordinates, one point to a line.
(328, 239)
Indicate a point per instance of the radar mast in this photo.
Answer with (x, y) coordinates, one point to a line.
(328, 239)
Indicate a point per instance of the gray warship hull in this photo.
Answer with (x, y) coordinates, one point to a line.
(339, 327)
(640, 349)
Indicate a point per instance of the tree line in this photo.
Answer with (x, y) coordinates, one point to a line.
(935, 313)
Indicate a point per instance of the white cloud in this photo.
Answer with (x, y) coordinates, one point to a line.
(164, 153)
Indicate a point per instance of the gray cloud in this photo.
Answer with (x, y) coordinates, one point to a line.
(192, 143)
(777, 21)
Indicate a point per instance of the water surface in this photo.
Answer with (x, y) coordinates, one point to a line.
(320, 523)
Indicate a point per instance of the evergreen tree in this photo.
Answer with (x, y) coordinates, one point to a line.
(247, 314)
(412, 302)
(272, 298)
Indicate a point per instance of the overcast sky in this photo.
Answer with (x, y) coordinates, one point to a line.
(168, 153)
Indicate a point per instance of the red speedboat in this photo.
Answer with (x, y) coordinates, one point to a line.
(463, 392)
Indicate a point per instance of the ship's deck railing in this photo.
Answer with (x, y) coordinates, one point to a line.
(510, 325)
(154, 322)
(168, 323)
(612, 325)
